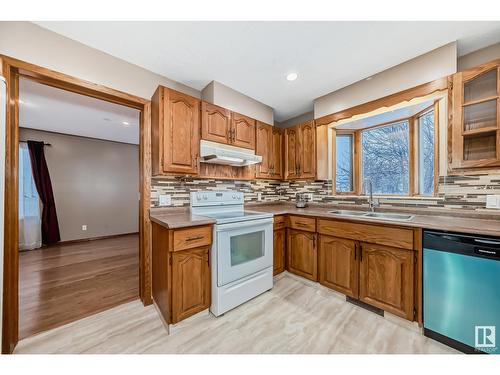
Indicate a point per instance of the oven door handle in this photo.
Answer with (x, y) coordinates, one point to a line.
(243, 224)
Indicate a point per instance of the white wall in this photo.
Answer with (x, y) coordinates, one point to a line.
(297, 120)
(224, 96)
(34, 44)
(422, 69)
(479, 57)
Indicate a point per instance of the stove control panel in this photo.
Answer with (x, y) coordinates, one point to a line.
(216, 198)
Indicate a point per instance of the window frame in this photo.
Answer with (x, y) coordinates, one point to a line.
(413, 155)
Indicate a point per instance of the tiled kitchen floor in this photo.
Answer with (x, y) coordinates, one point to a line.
(294, 317)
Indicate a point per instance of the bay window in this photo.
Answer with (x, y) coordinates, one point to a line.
(399, 157)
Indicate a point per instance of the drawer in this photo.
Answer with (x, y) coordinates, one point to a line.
(279, 222)
(378, 234)
(302, 223)
(190, 238)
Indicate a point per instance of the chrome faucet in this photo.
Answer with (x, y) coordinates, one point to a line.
(372, 203)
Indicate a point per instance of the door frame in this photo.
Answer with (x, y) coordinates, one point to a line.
(13, 69)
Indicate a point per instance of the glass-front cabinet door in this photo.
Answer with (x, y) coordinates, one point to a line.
(476, 117)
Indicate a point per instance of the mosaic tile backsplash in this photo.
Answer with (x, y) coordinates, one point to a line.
(454, 192)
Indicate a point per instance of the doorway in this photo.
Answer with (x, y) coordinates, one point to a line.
(14, 69)
(91, 153)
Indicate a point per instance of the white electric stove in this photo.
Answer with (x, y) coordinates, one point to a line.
(242, 250)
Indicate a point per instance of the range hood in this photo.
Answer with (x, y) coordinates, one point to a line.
(217, 153)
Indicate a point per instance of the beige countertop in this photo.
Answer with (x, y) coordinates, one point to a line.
(174, 218)
(486, 224)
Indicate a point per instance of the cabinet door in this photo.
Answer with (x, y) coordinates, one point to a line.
(338, 266)
(215, 123)
(190, 283)
(386, 279)
(307, 150)
(301, 254)
(279, 251)
(291, 153)
(476, 117)
(277, 154)
(181, 133)
(263, 147)
(243, 131)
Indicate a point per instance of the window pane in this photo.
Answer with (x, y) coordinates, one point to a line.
(343, 158)
(426, 153)
(385, 158)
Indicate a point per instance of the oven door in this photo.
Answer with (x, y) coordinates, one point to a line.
(243, 248)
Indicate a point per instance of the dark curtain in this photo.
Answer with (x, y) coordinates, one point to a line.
(50, 225)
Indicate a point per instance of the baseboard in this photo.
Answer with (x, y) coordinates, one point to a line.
(69, 242)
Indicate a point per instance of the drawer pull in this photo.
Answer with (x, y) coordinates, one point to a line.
(195, 238)
(301, 224)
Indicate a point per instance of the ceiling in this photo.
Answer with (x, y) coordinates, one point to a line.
(47, 108)
(254, 57)
(386, 117)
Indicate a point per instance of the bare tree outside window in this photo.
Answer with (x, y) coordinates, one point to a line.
(426, 153)
(343, 157)
(385, 158)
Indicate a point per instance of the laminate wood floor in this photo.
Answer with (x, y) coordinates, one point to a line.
(294, 317)
(65, 283)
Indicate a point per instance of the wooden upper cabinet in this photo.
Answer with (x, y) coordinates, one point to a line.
(476, 117)
(307, 150)
(301, 254)
(269, 145)
(300, 151)
(386, 278)
(338, 266)
(263, 147)
(291, 153)
(175, 128)
(215, 123)
(277, 153)
(243, 131)
(190, 283)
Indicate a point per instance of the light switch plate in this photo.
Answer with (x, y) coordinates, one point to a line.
(493, 201)
(165, 200)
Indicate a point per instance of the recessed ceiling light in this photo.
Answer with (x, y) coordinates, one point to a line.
(125, 123)
(291, 76)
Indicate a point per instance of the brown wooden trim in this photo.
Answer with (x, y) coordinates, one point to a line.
(412, 155)
(12, 70)
(10, 313)
(387, 101)
(66, 82)
(145, 172)
(436, 147)
(80, 240)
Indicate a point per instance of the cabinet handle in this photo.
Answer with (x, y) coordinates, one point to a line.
(360, 253)
(355, 250)
(233, 132)
(314, 241)
(194, 238)
(301, 224)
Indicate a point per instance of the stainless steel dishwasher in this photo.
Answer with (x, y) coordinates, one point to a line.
(461, 286)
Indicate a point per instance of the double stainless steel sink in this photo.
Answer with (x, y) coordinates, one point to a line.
(373, 215)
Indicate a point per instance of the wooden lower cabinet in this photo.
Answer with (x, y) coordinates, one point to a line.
(338, 265)
(181, 278)
(302, 257)
(190, 282)
(278, 251)
(386, 278)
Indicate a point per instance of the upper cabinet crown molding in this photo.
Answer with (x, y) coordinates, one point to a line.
(175, 132)
(475, 120)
